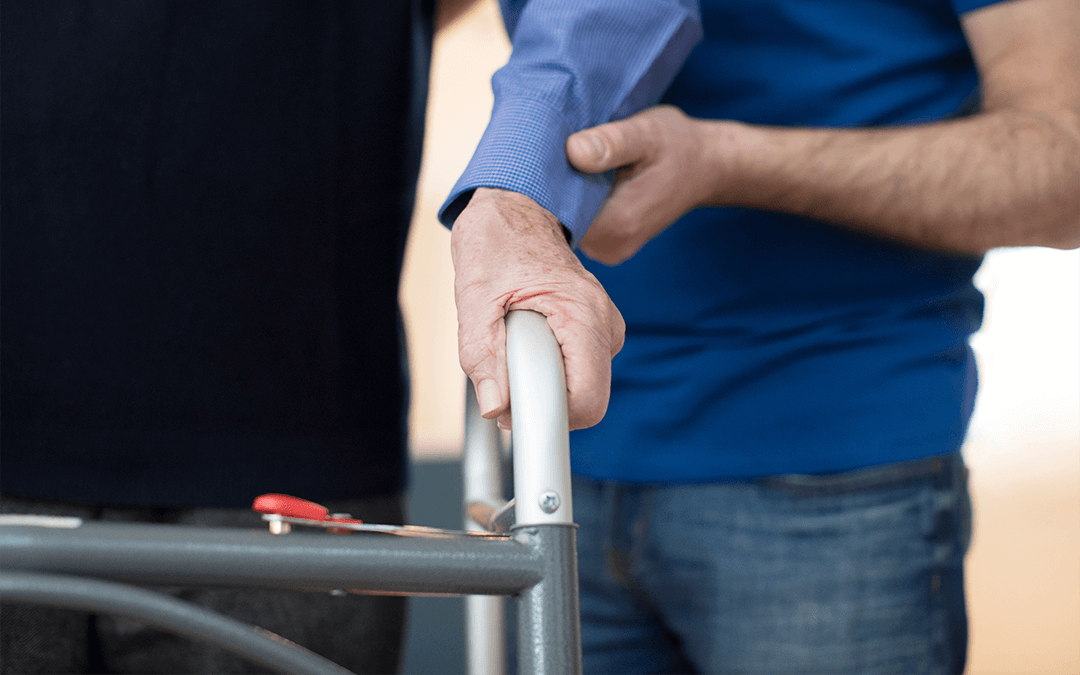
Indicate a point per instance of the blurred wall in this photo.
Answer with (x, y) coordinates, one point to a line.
(466, 55)
(1024, 445)
(1024, 452)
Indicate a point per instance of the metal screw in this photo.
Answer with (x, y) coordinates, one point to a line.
(339, 530)
(549, 501)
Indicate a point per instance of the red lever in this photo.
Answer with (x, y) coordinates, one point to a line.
(290, 507)
(294, 507)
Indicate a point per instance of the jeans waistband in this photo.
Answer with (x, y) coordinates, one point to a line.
(944, 470)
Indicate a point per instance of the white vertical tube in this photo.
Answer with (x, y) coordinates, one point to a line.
(485, 615)
(485, 648)
(541, 428)
(481, 462)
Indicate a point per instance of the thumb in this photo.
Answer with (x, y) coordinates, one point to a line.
(489, 398)
(608, 146)
(482, 353)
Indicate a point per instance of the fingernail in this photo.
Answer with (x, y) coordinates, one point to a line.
(488, 397)
(505, 422)
(599, 149)
(590, 145)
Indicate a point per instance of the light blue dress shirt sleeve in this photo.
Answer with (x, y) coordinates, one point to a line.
(574, 64)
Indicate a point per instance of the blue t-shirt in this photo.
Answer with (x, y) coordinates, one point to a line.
(760, 343)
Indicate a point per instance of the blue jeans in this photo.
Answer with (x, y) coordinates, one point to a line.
(859, 572)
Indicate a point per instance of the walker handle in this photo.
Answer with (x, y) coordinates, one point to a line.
(541, 427)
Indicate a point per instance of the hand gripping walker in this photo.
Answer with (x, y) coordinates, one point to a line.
(67, 562)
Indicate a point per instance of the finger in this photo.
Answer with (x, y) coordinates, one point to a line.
(610, 251)
(587, 349)
(588, 382)
(609, 146)
(614, 235)
(482, 354)
(505, 422)
(489, 397)
(622, 226)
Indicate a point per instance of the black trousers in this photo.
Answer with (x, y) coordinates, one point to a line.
(363, 633)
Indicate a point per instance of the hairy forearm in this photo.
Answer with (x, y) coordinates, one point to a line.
(1007, 178)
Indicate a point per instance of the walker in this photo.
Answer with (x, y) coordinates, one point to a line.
(524, 548)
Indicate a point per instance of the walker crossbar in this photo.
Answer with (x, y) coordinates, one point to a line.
(179, 556)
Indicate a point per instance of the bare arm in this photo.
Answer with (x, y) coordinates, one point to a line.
(1008, 176)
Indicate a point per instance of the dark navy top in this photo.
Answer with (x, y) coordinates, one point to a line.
(204, 212)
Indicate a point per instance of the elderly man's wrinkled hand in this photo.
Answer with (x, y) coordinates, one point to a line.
(510, 253)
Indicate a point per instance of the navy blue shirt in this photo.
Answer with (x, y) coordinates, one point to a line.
(205, 209)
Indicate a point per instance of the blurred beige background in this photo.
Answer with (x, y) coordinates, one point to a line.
(1024, 445)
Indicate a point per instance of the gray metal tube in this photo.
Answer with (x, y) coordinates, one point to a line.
(485, 641)
(482, 457)
(168, 613)
(549, 623)
(179, 555)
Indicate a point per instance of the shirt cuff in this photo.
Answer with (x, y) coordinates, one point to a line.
(523, 149)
